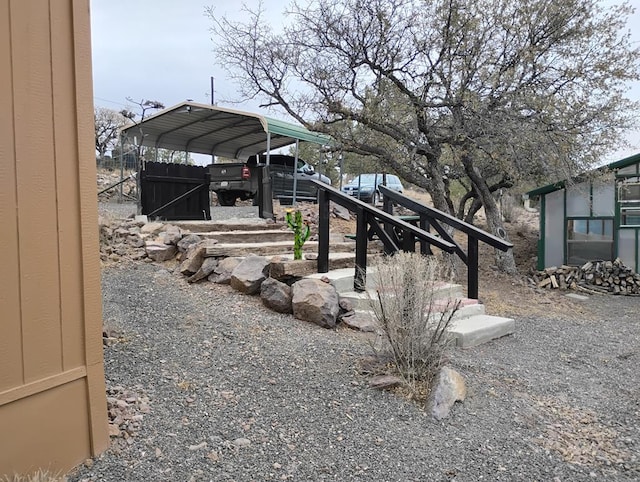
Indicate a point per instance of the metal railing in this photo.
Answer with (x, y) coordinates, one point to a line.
(397, 234)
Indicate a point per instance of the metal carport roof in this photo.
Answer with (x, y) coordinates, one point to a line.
(207, 129)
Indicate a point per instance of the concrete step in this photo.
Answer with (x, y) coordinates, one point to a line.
(467, 331)
(360, 300)
(251, 236)
(475, 330)
(342, 279)
(468, 307)
(271, 248)
(244, 224)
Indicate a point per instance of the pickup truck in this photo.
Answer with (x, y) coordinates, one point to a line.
(232, 181)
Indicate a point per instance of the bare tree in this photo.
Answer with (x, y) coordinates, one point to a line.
(495, 90)
(107, 123)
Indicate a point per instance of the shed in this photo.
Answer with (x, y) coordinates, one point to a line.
(592, 217)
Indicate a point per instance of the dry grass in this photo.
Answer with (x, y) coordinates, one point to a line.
(39, 476)
(413, 319)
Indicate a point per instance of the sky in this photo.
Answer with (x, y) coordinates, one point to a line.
(162, 50)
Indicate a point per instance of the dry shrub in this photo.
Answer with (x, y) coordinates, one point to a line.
(413, 316)
(39, 476)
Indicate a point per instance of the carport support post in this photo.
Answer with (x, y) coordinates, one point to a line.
(295, 173)
(120, 191)
(323, 231)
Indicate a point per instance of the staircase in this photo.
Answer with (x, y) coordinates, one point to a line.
(470, 326)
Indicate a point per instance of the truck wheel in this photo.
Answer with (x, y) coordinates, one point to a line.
(226, 198)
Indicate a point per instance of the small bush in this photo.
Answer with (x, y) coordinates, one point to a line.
(413, 319)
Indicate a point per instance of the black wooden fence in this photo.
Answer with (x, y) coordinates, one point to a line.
(175, 191)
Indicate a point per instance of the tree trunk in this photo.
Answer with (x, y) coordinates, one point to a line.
(504, 260)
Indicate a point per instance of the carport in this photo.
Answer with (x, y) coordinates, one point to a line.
(211, 130)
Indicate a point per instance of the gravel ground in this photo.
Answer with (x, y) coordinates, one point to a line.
(220, 388)
(237, 392)
(124, 210)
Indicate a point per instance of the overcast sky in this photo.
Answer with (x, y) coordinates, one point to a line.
(162, 50)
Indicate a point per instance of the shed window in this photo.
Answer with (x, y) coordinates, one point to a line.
(629, 199)
(589, 239)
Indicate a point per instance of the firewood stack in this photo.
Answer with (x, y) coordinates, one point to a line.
(595, 276)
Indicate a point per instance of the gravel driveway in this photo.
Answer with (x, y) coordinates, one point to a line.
(239, 393)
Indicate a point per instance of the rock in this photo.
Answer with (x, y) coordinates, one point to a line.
(135, 241)
(359, 321)
(114, 430)
(199, 446)
(383, 382)
(346, 304)
(160, 251)
(249, 274)
(152, 228)
(276, 295)
(316, 302)
(194, 258)
(340, 212)
(207, 267)
(311, 256)
(185, 243)
(448, 388)
(222, 273)
(170, 234)
(242, 442)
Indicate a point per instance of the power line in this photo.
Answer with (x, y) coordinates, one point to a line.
(110, 101)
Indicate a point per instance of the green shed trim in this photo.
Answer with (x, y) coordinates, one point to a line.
(556, 186)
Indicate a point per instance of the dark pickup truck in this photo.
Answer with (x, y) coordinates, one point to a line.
(239, 180)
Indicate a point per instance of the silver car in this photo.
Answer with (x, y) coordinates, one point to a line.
(365, 186)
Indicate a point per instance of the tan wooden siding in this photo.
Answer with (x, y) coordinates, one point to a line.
(51, 368)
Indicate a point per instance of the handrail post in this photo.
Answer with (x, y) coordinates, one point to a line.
(425, 248)
(360, 276)
(472, 267)
(323, 231)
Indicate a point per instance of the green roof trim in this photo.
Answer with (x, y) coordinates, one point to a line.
(276, 126)
(556, 186)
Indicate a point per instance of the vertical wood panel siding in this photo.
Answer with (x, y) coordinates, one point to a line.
(11, 336)
(37, 215)
(50, 307)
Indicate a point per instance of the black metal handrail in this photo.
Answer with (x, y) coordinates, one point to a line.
(368, 219)
(431, 217)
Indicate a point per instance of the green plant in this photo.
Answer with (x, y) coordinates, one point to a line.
(301, 231)
(413, 317)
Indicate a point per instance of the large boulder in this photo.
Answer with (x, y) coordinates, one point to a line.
(276, 295)
(222, 273)
(315, 301)
(159, 251)
(448, 388)
(249, 274)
